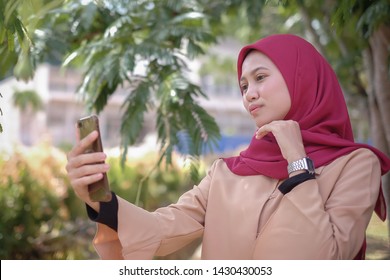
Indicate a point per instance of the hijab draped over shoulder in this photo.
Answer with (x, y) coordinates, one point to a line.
(317, 104)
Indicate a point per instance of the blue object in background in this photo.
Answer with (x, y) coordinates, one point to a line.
(225, 144)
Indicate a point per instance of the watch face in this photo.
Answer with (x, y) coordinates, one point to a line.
(310, 164)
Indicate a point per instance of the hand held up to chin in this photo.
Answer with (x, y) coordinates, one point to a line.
(288, 136)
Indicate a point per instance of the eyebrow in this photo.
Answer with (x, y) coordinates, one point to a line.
(254, 71)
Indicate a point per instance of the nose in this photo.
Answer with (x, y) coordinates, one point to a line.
(251, 93)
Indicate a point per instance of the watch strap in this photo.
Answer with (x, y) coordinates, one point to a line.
(301, 164)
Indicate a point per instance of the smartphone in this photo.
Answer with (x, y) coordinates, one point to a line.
(100, 190)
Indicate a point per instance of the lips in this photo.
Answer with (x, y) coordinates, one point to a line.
(253, 107)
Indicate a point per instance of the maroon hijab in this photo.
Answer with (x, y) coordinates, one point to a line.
(317, 104)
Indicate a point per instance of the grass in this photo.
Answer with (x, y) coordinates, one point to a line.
(378, 244)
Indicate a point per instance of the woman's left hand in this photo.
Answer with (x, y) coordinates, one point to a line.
(288, 136)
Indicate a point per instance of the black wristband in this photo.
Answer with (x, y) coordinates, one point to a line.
(108, 213)
(294, 181)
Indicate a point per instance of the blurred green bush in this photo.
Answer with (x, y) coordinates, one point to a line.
(41, 218)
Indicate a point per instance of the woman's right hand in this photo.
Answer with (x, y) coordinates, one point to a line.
(85, 168)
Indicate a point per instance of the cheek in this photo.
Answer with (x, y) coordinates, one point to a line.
(285, 103)
(245, 103)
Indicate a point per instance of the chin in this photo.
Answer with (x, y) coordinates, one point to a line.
(260, 124)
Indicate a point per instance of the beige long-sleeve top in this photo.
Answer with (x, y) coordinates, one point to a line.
(247, 217)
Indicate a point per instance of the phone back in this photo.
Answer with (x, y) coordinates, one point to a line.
(100, 190)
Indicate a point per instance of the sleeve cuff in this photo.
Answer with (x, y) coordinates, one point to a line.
(108, 214)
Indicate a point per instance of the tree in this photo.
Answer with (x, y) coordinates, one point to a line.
(375, 20)
(1, 113)
(111, 42)
(19, 19)
(29, 103)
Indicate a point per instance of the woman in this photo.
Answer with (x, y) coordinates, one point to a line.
(301, 190)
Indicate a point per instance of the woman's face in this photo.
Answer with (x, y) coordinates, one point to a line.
(264, 91)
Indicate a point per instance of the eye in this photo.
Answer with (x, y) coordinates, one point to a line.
(243, 87)
(260, 77)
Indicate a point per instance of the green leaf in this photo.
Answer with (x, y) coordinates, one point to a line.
(193, 49)
(1, 113)
(11, 41)
(10, 9)
(188, 18)
(375, 14)
(181, 122)
(135, 107)
(25, 98)
(70, 58)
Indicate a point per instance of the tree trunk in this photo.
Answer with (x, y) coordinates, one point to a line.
(376, 59)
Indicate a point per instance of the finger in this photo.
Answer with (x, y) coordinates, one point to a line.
(81, 184)
(90, 169)
(262, 131)
(83, 144)
(85, 159)
(72, 152)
